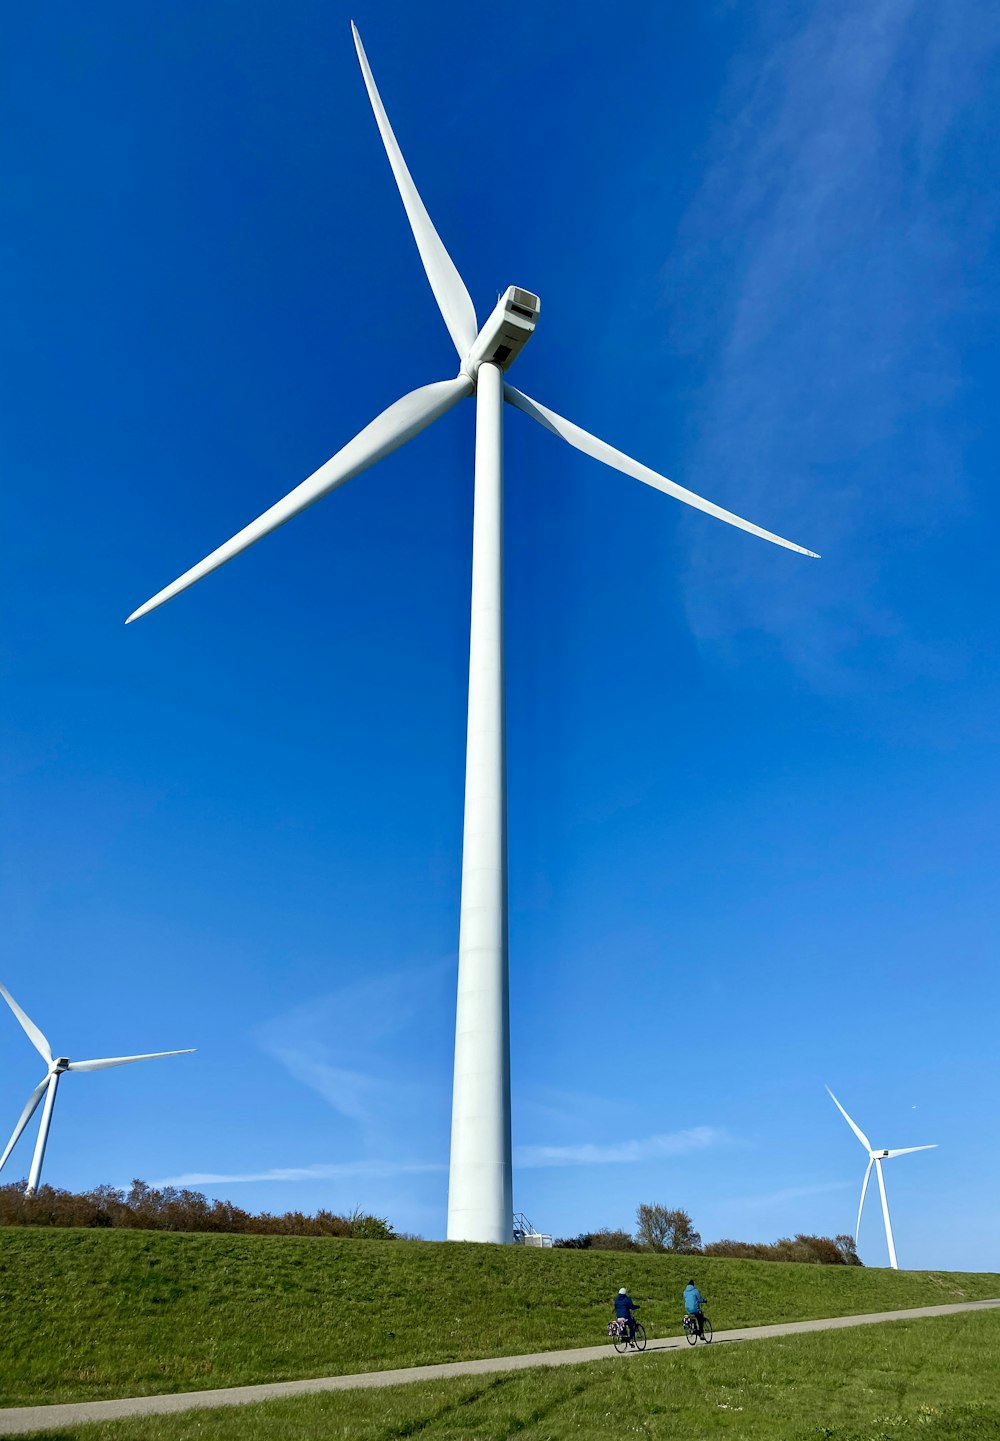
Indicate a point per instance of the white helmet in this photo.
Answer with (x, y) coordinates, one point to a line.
(622, 1291)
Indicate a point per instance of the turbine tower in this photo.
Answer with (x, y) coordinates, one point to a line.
(57, 1067)
(875, 1158)
(480, 1201)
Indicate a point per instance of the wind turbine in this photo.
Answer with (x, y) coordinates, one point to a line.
(480, 1203)
(875, 1158)
(57, 1066)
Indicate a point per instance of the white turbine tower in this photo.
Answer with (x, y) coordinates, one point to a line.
(57, 1066)
(875, 1158)
(480, 1204)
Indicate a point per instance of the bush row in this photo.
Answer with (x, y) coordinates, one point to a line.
(667, 1229)
(146, 1208)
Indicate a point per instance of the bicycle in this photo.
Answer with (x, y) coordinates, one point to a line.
(618, 1331)
(691, 1330)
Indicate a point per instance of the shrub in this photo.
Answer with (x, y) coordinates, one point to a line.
(370, 1228)
(607, 1240)
(603, 1240)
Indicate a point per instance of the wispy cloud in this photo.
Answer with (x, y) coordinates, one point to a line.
(342, 1171)
(821, 273)
(768, 1199)
(556, 1110)
(355, 1046)
(357, 1096)
(650, 1148)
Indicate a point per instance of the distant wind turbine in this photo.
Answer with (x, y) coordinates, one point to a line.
(57, 1066)
(480, 1203)
(875, 1158)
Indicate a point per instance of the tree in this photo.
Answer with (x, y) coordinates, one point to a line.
(847, 1246)
(663, 1229)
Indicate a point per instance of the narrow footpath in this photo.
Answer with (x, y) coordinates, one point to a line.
(20, 1419)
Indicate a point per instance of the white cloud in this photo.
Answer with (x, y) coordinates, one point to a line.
(650, 1148)
(526, 1157)
(336, 1171)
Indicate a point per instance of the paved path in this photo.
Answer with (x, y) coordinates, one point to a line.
(19, 1419)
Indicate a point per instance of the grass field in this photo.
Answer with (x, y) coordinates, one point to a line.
(91, 1314)
(932, 1380)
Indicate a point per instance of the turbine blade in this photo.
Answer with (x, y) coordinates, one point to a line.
(454, 301)
(109, 1061)
(864, 1188)
(34, 1035)
(600, 450)
(856, 1129)
(908, 1151)
(26, 1116)
(404, 419)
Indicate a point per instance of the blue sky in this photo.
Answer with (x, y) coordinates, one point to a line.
(753, 798)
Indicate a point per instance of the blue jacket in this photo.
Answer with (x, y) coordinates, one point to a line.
(693, 1300)
(624, 1305)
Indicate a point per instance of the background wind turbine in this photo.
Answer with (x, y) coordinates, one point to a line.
(875, 1158)
(480, 1202)
(57, 1066)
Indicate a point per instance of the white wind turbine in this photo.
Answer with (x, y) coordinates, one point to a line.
(480, 1205)
(875, 1158)
(57, 1066)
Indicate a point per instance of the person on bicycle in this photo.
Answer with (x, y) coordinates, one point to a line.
(625, 1311)
(694, 1302)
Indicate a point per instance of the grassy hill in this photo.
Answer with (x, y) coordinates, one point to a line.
(931, 1380)
(91, 1314)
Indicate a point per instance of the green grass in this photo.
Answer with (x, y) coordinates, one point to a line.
(932, 1380)
(90, 1314)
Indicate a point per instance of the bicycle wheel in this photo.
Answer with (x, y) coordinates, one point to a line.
(706, 1330)
(621, 1343)
(690, 1332)
(640, 1336)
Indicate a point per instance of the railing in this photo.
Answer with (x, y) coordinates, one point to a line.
(525, 1233)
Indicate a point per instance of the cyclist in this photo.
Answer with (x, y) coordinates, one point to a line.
(694, 1303)
(625, 1311)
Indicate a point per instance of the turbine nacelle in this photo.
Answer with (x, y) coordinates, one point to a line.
(60, 1064)
(506, 332)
